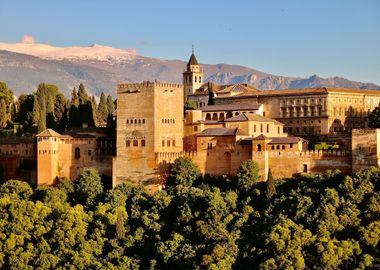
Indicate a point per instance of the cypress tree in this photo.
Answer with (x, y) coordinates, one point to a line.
(271, 187)
(3, 113)
(120, 230)
(74, 98)
(110, 104)
(102, 109)
(82, 94)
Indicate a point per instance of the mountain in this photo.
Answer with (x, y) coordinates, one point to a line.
(101, 68)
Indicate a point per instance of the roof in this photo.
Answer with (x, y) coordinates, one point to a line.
(16, 140)
(252, 117)
(278, 140)
(231, 107)
(88, 129)
(261, 137)
(48, 133)
(193, 60)
(213, 132)
(244, 88)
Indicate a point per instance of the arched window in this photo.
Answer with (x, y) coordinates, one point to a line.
(143, 121)
(229, 115)
(139, 121)
(77, 153)
(221, 117)
(208, 116)
(128, 143)
(195, 78)
(135, 143)
(127, 121)
(214, 116)
(135, 121)
(236, 113)
(259, 147)
(283, 147)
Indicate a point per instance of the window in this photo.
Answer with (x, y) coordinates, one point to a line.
(77, 153)
(195, 128)
(278, 130)
(135, 143)
(168, 143)
(261, 128)
(173, 142)
(305, 168)
(267, 128)
(139, 121)
(163, 143)
(272, 147)
(283, 147)
(254, 128)
(143, 142)
(89, 152)
(291, 145)
(277, 147)
(143, 121)
(128, 143)
(127, 121)
(259, 147)
(195, 78)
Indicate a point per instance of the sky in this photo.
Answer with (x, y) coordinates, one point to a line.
(284, 37)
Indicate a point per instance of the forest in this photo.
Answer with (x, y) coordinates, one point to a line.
(326, 221)
(47, 107)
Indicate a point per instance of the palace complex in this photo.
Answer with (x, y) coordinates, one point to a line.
(230, 124)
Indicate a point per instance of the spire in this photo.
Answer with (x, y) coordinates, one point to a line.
(193, 60)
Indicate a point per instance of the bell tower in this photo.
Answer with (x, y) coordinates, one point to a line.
(192, 76)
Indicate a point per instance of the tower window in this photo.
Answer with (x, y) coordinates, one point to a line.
(128, 143)
(143, 143)
(135, 143)
(195, 77)
(77, 153)
(173, 142)
(168, 143)
(163, 143)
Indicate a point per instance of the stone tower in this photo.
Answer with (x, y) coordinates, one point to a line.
(192, 76)
(149, 125)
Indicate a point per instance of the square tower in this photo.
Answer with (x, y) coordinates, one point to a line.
(149, 123)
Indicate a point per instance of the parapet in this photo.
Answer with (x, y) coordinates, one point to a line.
(138, 87)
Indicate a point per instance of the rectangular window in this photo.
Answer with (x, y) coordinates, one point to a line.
(168, 143)
(135, 143)
(195, 128)
(267, 128)
(173, 143)
(254, 128)
(163, 143)
(261, 128)
(143, 143)
(89, 152)
(128, 143)
(291, 145)
(278, 130)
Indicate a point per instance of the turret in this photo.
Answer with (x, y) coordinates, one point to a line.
(192, 76)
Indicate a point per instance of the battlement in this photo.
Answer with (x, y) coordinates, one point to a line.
(363, 131)
(171, 156)
(138, 87)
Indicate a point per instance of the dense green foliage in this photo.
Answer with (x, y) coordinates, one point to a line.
(312, 222)
(6, 101)
(374, 118)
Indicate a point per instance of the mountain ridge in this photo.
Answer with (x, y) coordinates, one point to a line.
(101, 68)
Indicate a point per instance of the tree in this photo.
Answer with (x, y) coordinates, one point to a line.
(74, 98)
(247, 175)
(190, 105)
(88, 187)
(17, 188)
(374, 118)
(183, 172)
(82, 94)
(110, 104)
(120, 230)
(102, 109)
(271, 187)
(3, 114)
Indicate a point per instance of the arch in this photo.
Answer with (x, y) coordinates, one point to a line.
(283, 147)
(221, 117)
(237, 113)
(127, 121)
(77, 153)
(229, 115)
(208, 116)
(259, 147)
(214, 116)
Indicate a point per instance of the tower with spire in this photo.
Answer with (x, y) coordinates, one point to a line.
(192, 76)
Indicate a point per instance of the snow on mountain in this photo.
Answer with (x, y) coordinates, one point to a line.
(95, 52)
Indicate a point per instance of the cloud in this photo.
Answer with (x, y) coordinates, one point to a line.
(28, 39)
